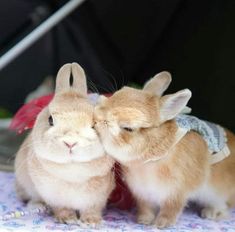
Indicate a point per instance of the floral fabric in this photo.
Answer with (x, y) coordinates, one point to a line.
(114, 220)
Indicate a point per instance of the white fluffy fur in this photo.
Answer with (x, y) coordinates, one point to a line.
(66, 178)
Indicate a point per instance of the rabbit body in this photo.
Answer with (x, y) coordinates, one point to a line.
(62, 162)
(138, 129)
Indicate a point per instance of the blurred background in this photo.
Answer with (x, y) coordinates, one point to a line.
(120, 42)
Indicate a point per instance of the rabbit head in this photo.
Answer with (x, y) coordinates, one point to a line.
(64, 131)
(137, 124)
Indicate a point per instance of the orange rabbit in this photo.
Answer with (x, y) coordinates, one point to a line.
(164, 167)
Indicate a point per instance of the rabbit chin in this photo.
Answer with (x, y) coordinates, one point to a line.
(122, 153)
(63, 157)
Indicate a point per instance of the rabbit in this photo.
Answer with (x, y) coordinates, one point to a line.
(62, 162)
(163, 168)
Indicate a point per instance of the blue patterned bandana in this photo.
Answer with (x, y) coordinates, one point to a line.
(213, 134)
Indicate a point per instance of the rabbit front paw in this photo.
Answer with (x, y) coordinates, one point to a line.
(67, 216)
(214, 213)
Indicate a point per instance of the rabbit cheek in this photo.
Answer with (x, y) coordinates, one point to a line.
(101, 128)
(123, 139)
(105, 131)
(83, 142)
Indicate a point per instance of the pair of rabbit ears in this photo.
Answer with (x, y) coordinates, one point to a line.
(71, 76)
(172, 104)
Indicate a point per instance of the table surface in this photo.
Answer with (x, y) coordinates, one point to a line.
(114, 220)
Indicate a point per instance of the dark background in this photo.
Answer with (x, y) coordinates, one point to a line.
(123, 41)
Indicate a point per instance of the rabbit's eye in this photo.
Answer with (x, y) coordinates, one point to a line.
(50, 120)
(127, 129)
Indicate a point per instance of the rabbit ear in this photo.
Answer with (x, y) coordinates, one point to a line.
(71, 76)
(159, 83)
(62, 79)
(79, 79)
(173, 104)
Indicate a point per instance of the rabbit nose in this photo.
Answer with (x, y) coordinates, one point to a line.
(69, 145)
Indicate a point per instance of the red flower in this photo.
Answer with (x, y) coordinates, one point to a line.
(25, 117)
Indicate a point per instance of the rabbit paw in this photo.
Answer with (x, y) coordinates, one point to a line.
(164, 221)
(213, 213)
(67, 216)
(89, 220)
(145, 219)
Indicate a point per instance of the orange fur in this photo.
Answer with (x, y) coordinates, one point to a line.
(181, 171)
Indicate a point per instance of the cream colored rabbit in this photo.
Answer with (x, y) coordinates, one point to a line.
(62, 162)
(163, 167)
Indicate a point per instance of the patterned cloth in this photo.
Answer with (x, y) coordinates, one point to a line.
(114, 220)
(213, 134)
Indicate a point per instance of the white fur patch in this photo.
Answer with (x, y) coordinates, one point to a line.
(147, 186)
(207, 196)
(71, 195)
